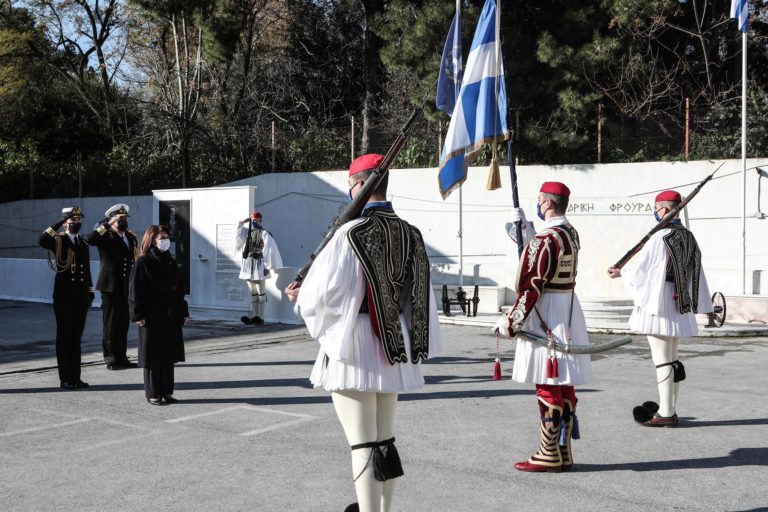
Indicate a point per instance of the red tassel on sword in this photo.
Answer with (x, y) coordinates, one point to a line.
(497, 369)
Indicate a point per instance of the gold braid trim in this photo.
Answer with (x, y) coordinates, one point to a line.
(60, 264)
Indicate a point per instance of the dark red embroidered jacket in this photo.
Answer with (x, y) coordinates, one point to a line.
(548, 264)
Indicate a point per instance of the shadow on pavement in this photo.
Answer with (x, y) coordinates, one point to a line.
(251, 363)
(738, 457)
(692, 423)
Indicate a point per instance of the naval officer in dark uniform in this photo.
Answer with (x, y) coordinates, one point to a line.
(72, 292)
(118, 248)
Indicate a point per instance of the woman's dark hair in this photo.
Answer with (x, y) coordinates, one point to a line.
(149, 237)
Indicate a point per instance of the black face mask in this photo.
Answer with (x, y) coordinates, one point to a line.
(122, 225)
(74, 227)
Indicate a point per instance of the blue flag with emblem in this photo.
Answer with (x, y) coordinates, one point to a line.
(449, 78)
(479, 116)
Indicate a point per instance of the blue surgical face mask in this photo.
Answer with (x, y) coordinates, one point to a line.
(656, 215)
(539, 212)
(255, 224)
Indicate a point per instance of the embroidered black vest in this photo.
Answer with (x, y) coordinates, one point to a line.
(396, 267)
(684, 264)
(254, 245)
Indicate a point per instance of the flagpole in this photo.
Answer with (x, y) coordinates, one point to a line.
(510, 143)
(461, 212)
(743, 161)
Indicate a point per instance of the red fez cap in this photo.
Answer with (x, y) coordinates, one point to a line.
(256, 215)
(365, 163)
(668, 195)
(555, 187)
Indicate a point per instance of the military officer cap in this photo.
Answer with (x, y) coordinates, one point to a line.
(118, 210)
(72, 212)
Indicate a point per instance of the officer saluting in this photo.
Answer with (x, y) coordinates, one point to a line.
(118, 249)
(72, 292)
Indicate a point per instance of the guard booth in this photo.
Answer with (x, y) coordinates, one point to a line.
(202, 223)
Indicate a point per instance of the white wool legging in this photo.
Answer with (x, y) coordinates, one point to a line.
(365, 417)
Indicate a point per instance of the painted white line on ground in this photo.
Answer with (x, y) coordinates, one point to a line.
(47, 427)
(203, 414)
(124, 424)
(275, 427)
(275, 411)
(301, 417)
(110, 443)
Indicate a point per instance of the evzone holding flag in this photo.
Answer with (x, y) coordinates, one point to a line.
(547, 305)
(668, 286)
(368, 300)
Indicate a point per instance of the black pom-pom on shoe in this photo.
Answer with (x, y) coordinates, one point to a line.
(641, 414)
(651, 407)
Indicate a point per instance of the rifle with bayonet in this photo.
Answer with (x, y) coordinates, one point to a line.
(669, 217)
(352, 211)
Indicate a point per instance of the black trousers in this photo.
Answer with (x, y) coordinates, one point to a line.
(158, 381)
(114, 339)
(70, 322)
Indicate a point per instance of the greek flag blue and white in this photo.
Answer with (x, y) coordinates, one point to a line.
(449, 78)
(480, 114)
(740, 11)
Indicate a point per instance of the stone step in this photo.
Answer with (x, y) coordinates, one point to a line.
(603, 312)
(607, 314)
(597, 303)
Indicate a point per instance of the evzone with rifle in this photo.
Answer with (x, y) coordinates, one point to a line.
(547, 307)
(668, 287)
(366, 296)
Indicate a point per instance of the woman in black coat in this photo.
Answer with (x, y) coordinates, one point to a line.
(157, 306)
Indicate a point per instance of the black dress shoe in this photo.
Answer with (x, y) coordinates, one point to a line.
(155, 401)
(354, 507)
(127, 364)
(67, 385)
(81, 384)
(257, 320)
(245, 320)
(112, 366)
(170, 399)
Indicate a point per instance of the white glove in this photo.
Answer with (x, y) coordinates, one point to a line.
(502, 327)
(526, 228)
(518, 215)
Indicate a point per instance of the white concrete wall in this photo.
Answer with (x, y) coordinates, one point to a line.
(23, 221)
(611, 206)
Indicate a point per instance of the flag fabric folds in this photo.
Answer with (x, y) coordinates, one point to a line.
(449, 78)
(479, 116)
(740, 11)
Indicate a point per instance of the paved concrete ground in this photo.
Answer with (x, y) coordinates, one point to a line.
(250, 434)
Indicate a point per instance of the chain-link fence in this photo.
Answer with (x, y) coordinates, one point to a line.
(689, 132)
(611, 136)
